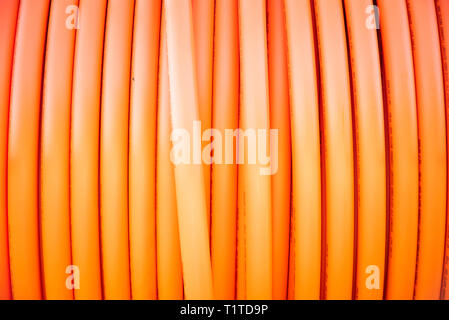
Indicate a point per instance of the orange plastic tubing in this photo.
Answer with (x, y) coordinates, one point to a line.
(84, 148)
(55, 148)
(241, 234)
(8, 21)
(279, 120)
(370, 163)
(338, 150)
(169, 267)
(23, 150)
(190, 192)
(254, 115)
(203, 13)
(142, 148)
(306, 165)
(442, 8)
(432, 147)
(291, 257)
(402, 149)
(224, 175)
(114, 149)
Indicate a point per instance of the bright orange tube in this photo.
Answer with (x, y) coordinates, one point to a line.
(84, 148)
(203, 14)
(402, 149)
(369, 134)
(8, 21)
(169, 268)
(224, 174)
(432, 146)
(254, 116)
(114, 149)
(241, 234)
(55, 148)
(279, 120)
(142, 148)
(338, 150)
(306, 165)
(291, 259)
(190, 194)
(23, 150)
(442, 8)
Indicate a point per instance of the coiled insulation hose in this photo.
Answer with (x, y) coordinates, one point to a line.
(224, 149)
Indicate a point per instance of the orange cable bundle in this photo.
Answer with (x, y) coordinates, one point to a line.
(432, 148)
(114, 149)
(190, 191)
(8, 18)
(84, 155)
(279, 120)
(55, 148)
(442, 8)
(142, 147)
(224, 149)
(305, 137)
(169, 267)
(254, 115)
(337, 150)
(369, 148)
(224, 174)
(23, 150)
(402, 128)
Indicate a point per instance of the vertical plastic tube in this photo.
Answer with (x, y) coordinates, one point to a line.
(241, 233)
(190, 194)
(23, 149)
(203, 14)
(254, 119)
(8, 22)
(338, 150)
(279, 120)
(84, 148)
(142, 149)
(442, 8)
(55, 152)
(369, 132)
(169, 267)
(432, 148)
(401, 121)
(224, 175)
(114, 149)
(306, 165)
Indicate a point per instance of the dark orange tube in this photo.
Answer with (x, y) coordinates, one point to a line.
(432, 147)
(142, 148)
(442, 8)
(305, 245)
(114, 149)
(84, 148)
(203, 14)
(370, 165)
(224, 175)
(55, 148)
(190, 194)
(169, 267)
(279, 120)
(23, 150)
(8, 21)
(403, 149)
(254, 116)
(338, 150)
